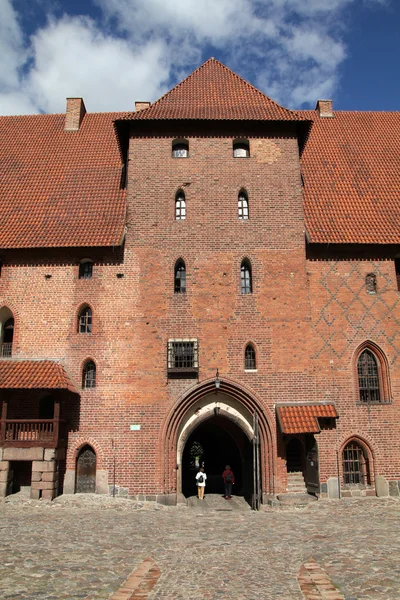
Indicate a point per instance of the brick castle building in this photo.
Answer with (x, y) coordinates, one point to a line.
(209, 279)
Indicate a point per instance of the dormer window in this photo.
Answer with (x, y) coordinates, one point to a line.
(241, 149)
(180, 149)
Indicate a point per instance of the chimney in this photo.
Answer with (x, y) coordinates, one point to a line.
(324, 108)
(141, 105)
(75, 112)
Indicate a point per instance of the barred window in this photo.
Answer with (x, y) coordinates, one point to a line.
(180, 206)
(85, 320)
(180, 149)
(85, 269)
(245, 277)
(183, 355)
(180, 277)
(250, 358)
(89, 375)
(243, 205)
(368, 377)
(355, 465)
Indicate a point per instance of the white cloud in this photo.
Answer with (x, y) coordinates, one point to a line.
(291, 49)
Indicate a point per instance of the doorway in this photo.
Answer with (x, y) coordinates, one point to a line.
(86, 471)
(294, 456)
(21, 475)
(215, 443)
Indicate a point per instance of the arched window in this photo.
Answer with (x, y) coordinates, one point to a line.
(180, 149)
(370, 283)
(355, 465)
(180, 206)
(86, 269)
(241, 148)
(85, 320)
(6, 332)
(180, 277)
(243, 205)
(250, 358)
(368, 377)
(89, 375)
(245, 277)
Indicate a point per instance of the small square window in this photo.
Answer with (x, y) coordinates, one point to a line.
(183, 356)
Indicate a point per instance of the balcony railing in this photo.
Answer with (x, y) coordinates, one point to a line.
(30, 432)
(5, 350)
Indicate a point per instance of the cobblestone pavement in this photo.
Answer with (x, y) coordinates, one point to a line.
(85, 546)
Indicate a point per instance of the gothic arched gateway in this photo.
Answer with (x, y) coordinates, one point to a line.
(225, 425)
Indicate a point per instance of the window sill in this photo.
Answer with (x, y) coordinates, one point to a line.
(374, 403)
(251, 370)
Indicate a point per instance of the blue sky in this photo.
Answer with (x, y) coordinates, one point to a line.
(113, 52)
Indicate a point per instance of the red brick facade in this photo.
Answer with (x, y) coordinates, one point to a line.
(308, 317)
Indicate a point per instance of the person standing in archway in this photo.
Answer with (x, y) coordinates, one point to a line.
(201, 483)
(229, 480)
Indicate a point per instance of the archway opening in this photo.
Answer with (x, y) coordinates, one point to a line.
(215, 443)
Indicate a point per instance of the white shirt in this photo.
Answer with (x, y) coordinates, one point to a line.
(204, 479)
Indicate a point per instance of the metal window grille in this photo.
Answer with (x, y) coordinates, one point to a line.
(85, 270)
(5, 350)
(183, 355)
(368, 377)
(354, 465)
(180, 278)
(245, 274)
(180, 151)
(89, 375)
(180, 207)
(241, 150)
(85, 321)
(250, 358)
(243, 207)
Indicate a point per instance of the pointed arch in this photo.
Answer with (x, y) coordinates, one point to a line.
(250, 358)
(180, 205)
(243, 205)
(85, 319)
(180, 277)
(356, 462)
(6, 332)
(371, 374)
(246, 279)
(89, 374)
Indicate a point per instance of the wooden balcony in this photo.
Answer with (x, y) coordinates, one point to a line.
(23, 433)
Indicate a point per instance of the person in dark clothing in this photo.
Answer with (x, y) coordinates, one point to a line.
(229, 480)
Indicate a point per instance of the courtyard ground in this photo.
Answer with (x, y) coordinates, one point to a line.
(86, 546)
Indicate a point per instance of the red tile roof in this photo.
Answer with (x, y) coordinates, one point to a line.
(60, 188)
(302, 418)
(351, 173)
(215, 92)
(34, 374)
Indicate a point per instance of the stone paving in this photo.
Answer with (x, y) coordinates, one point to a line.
(87, 546)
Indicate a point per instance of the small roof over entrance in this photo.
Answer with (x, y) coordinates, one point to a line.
(304, 417)
(34, 374)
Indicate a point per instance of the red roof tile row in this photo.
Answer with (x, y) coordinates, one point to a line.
(303, 418)
(34, 374)
(60, 188)
(351, 174)
(215, 92)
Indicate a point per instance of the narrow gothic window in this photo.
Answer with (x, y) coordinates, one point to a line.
(180, 277)
(243, 205)
(250, 358)
(8, 335)
(397, 267)
(89, 375)
(180, 206)
(245, 277)
(355, 465)
(85, 320)
(85, 269)
(368, 377)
